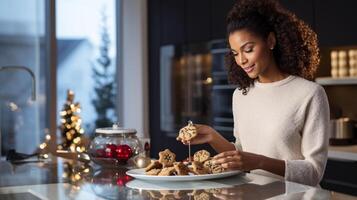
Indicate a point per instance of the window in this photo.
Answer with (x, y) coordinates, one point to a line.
(86, 40)
(86, 59)
(22, 53)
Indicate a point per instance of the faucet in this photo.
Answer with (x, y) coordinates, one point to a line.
(27, 70)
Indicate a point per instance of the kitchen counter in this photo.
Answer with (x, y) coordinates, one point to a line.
(347, 152)
(68, 179)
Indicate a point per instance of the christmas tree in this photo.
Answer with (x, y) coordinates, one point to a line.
(71, 131)
(104, 82)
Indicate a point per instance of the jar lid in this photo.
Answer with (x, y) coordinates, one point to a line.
(115, 130)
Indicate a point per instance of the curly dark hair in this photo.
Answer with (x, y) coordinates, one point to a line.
(296, 51)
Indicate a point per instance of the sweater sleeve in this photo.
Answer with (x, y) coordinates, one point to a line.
(314, 142)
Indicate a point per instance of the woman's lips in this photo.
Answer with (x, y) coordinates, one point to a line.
(249, 69)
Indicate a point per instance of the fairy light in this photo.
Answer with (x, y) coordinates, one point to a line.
(72, 148)
(79, 149)
(77, 177)
(209, 80)
(65, 175)
(43, 145)
(76, 140)
(13, 106)
(69, 136)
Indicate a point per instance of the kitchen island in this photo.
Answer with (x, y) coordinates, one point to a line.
(59, 178)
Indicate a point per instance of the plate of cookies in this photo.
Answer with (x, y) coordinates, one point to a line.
(168, 169)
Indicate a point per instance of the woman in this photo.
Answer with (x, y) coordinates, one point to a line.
(280, 117)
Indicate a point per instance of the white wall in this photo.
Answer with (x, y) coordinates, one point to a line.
(134, 95)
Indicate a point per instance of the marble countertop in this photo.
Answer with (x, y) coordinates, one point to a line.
(68, 179)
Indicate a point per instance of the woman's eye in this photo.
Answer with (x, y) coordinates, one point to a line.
(248, 50)
(234, 53)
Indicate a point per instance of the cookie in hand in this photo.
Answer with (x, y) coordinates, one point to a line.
(187, 133)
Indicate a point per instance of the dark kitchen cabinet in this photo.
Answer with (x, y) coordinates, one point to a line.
(198, 21)
(172, 22)
(155, 39)
(333, 21)
(220, 10)
(304, 9)
(336, 23)
(340, 176)
(193, 21)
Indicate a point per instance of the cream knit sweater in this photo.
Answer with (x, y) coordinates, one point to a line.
(286, 120)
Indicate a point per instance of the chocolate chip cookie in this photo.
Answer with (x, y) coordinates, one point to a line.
(213, 168)
(181, 169)
(167, 171)
(153, 165)
(187, 133)
(153, 172)
(198, 168)
(201, 156)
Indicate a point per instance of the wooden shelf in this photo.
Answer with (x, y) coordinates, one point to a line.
(336, 81)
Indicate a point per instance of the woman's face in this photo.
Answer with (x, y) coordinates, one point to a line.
(252, 53)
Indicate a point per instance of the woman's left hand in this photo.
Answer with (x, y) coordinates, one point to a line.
(239, 160)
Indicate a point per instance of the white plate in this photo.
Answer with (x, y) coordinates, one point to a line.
(187, 185)
(140, 174)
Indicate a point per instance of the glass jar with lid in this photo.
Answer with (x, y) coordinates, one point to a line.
(114, 146)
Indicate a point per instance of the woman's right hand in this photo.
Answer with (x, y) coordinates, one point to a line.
(205, 134)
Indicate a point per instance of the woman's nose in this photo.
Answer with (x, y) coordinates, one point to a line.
(242, 59)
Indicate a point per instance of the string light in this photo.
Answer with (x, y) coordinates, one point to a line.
(43, 145)
(76, 140)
